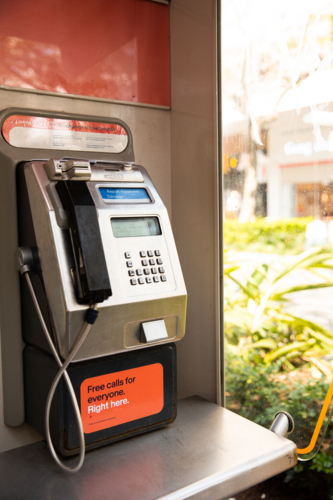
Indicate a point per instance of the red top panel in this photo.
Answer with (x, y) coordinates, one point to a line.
(113, 49)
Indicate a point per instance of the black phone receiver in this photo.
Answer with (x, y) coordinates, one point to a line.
(91, 275)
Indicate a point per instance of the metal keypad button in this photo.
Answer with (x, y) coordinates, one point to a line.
(156, 279)
(157, 253)
(133, 281)
(149, 279)
(161, 269)
(150, 253)
(127, 255)
(159, 261)
(147, 271)
(139, 272)
(153, 270)
(131, 272)
(163, 278)
(144, 262)
(143, 254)
(129, 263)
(152, 262)
(141, 281)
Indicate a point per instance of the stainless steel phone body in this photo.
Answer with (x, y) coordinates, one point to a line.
(132, 302)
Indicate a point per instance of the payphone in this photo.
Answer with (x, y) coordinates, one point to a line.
(95, 251)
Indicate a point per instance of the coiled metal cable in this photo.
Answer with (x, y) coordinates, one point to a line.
(62, 372)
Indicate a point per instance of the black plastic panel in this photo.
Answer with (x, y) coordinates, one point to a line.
(40, 370)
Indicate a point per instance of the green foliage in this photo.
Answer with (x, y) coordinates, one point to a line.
(270, 354)
(257, 393)
(282, 236)
(256, 325)
(323, 462)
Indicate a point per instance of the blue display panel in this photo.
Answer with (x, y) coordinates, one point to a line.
(124, 194)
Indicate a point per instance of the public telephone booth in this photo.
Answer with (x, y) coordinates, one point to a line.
(110, 184)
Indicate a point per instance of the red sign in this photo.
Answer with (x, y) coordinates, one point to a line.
(117, 398)
(115, 49)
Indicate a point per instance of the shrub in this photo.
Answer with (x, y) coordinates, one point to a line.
(282, 236)
(255, 321)
(270, 355)
(257, 393)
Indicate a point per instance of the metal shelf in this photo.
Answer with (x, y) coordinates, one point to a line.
(207, 453)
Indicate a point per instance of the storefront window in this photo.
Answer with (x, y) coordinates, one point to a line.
(277, 113)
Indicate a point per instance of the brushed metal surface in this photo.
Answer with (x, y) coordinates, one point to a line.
(128, 303)
(116, 173)
(79, 97)
(102, 171)
(194, 188)
(207, 453)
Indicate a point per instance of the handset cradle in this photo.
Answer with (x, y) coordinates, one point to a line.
(92, 282)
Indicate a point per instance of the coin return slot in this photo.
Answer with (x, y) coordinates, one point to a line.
(152, 331)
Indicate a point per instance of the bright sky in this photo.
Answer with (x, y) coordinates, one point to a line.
(266, 19)
(259, 33)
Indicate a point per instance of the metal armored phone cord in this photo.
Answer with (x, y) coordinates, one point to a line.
(91, 316)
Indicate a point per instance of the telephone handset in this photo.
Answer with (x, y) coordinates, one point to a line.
(91, 277)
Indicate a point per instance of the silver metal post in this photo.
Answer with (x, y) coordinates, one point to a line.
(283, 424)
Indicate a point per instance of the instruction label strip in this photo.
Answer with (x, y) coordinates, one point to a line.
(73, 135)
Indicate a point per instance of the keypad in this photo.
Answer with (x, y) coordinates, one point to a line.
(147, 273)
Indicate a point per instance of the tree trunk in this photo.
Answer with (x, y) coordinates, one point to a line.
(247, 212)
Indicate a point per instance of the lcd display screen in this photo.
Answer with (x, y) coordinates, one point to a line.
(126, 227)
(124, 194)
